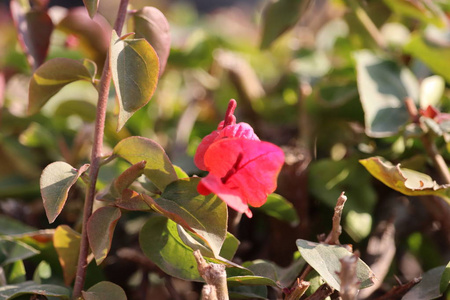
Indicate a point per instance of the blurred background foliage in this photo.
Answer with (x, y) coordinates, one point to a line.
(300, 92)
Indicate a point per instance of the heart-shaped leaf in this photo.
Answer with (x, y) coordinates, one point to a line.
(104, 290)
(11, 251)
(325, 259)
(51, 77)
(205, 216)
(383, 87)
(160, 242)
(135, 69)
(158, 169)
(56, 180)
(91, 6)
(151, 24)
(32, 288)
(67, 244)
(34, 30)
(100, 230)
(405, 181)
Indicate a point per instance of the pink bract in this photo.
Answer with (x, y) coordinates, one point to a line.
(242, 172)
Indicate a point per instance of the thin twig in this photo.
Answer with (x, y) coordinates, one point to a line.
(368, 24)
(349, 281)
(321, 293)
(298, 290)
(96, 156)
(429, 145)
(397, 292)
(214, 275)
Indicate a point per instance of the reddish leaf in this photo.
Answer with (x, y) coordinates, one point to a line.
(129, 176)
(34, 31)
(132, 201)
(242, 172)
(152, 25)
(100, 230)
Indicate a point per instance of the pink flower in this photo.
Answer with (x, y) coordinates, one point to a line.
(242, 169)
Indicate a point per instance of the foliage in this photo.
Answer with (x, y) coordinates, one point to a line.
(331, 96)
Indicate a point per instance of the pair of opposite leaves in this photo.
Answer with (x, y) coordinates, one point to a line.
(242, 169)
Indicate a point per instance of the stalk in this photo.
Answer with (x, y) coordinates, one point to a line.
(96, 157)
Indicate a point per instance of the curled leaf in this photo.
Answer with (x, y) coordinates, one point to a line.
(405, 181)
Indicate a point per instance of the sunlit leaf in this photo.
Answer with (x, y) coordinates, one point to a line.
(56, 180)
(104, 290)
(135, 69)
(42, 273)
(160, 242)
(34, 30)
(205, 216)
(67, 244)
(32, 288)
(431, 90)
(279, 16)
(12, 251)
(229, 247)
(100, 229)
(158, 169)
(428, 287)
(278, 207)
(445, 279)
(425, 11)
(91, 6)
(325, 259)
(16, 272)
(151, 24)
(51, 77)
(250, 280)
(405, 181)
(383, 87)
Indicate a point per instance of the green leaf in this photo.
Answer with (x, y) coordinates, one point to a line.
(42, 273)
(383, 87)
(10, 226)
(51, 77)
(248, 292)
(205, 216)
(16, 272)
(12, 251)
(435, 56)
(445, 279)
(34, 30)
(405, 181)
(100, 230)
(151, 24)
(278, 207)
(135, 68)
(427, 12)
(229, 247)
(91, 6)
(32, 288)
(158, 169)
(161, 243)
(67, 244)
(104, 290)
(325, 259)
(250, 280)
(180, 173)
(428, 287)
(56, 180)
(279, 16)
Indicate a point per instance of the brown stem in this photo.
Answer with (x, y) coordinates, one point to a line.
(215, 276)
(321, 293)
(430, 146)
(96, 155)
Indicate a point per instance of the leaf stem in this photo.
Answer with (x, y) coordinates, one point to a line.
(368, 24)
(96, 157)
(429, 145)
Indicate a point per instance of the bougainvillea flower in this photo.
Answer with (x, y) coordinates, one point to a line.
(433, 113)
(226, 129)
(242, 172)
